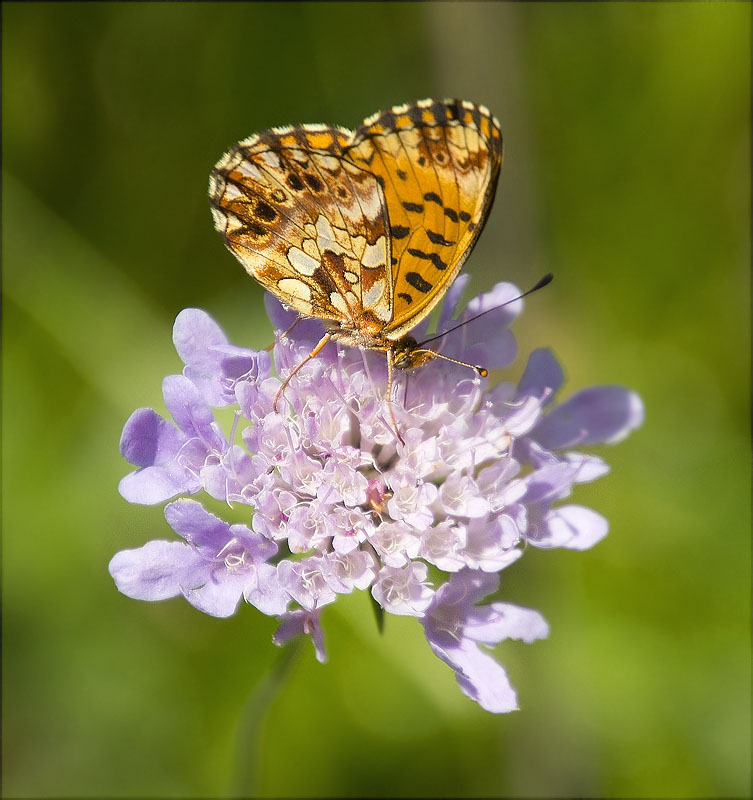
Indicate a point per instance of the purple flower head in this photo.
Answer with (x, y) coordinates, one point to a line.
(334, 502)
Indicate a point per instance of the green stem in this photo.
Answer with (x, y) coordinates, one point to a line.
(248, 739)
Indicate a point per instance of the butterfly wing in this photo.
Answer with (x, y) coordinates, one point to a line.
(439, 162)
(308, 224)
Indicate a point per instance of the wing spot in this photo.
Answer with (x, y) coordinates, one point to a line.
(294, 182)
(433, 257)
(433, 197)
(399, 231)
(265, 211)
(402, 174)
(448, 212)
(417, 282)
(465, 216)
(255, 229)
(417, 207)
(279, 196)
(408, 299)
(313, 182)
(437, 238)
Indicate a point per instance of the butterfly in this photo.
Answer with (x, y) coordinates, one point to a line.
(364, 230)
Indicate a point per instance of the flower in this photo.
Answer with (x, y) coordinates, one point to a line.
(333, 501)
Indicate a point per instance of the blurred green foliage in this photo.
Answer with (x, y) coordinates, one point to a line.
(627, 173)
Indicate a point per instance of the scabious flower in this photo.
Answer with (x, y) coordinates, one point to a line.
(335, 502)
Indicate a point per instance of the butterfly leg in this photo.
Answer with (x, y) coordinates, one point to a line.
(390, 377)
(319, 347)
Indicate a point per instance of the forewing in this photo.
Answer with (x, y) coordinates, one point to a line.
(439, 163)
(308, 224)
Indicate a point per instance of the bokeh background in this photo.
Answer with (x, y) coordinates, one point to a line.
(627, 174)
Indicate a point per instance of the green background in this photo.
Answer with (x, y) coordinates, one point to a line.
(627, 174)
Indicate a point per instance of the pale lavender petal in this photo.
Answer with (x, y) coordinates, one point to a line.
(148, 439)
(403, 590)
(305, 582)
(266, 593)
(156, 571)
(442, 546)
(396, 543)
(587, 467)
(454, 625)
(542, 377)
(233, 366)
(460, 593)
(479, 676)
(451, 300)
(574, 527)
(295, 623)
(347, 571)
(197, 526)
(603, 414)
(502, 304)
(492, 544)
(210, 359)
(499, 621)
(152, 485)
(194, 334)
(520, 417)
(219, 595)
(550, 482)
(189, 409)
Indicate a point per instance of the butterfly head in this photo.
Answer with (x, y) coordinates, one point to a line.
(410, 354)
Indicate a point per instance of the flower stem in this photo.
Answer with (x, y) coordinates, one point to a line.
(244, 780)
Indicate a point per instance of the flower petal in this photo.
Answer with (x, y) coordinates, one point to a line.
(295, 623)
(153, 572)
(218, 597)
(451, 300)
(542, 376)
(499, 621)
(601, 414)
(194, 334)
(574, 527)
(197, 526)
(152, 485)
(189, 409)
(148, 439)
(479, 676)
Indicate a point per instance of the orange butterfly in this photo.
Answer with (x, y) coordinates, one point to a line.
(366, 229)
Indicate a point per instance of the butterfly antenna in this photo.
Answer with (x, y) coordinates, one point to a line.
(481, 371)
(540, 285)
